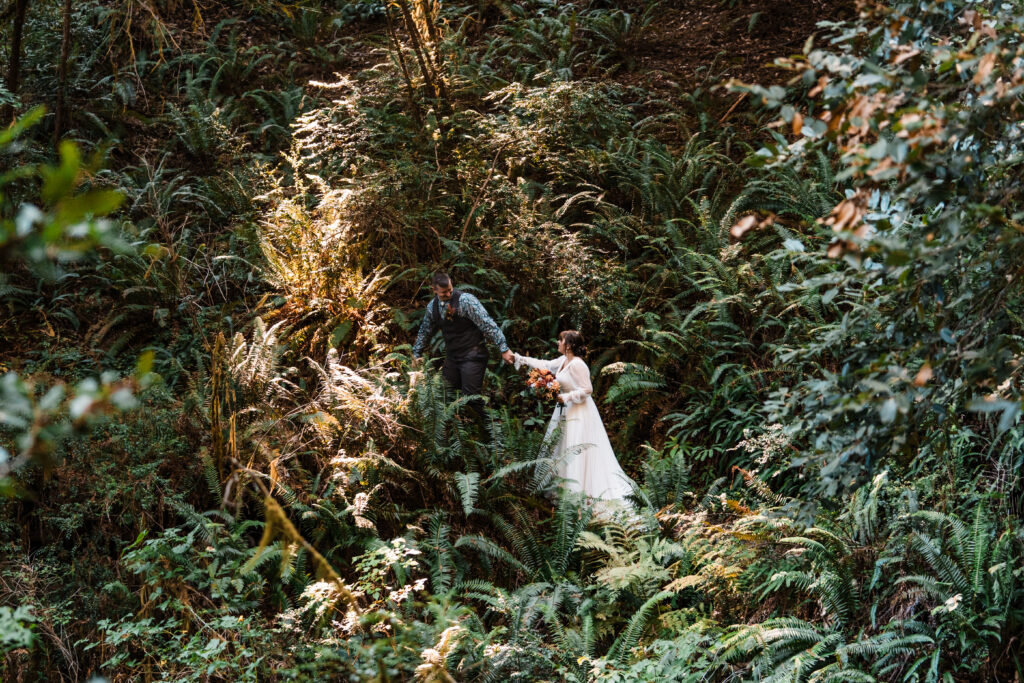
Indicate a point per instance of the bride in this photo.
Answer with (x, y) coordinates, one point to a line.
(584, 456)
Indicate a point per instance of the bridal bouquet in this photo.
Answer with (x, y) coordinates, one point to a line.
(543, 383)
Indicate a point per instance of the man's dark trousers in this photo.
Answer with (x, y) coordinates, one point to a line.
(466, 374)
(465, 353)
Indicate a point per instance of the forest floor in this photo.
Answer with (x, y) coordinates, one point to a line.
(694, 42)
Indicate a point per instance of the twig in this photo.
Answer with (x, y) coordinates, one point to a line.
(480, 195)
(292, 534)
(734, 105)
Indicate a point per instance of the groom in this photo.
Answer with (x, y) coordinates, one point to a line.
(465, 325)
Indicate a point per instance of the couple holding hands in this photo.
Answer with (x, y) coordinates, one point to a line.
(585, 461)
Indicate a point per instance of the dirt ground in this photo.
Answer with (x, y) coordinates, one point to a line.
(696, 42)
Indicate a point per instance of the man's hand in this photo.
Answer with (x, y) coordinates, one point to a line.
(509, 357)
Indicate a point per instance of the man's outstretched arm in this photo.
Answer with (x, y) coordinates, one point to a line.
(475, 311)
(424, 335)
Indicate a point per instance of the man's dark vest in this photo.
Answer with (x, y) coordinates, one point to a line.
(462, 338)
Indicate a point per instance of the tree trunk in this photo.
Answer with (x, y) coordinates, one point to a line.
(399, 53)
(60, 114)
(14, 70)
(417, 47)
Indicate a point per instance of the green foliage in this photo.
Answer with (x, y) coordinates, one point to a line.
(46, 220)
(40, 242)
(810, 360)
(924, 253)
(360, 11)
(683, 659)
(225, 639)
(16, 628)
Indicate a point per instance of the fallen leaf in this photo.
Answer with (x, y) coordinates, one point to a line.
(847, 214)
(798, 123)
(817, 89)
(985, 66)
(923, 375)
(905, 55)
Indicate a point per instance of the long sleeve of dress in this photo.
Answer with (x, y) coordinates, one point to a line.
(580, 374)
(538, 364)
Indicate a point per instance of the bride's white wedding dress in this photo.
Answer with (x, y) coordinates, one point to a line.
(584, 457)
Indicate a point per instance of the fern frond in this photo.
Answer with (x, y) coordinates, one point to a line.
(638, 623)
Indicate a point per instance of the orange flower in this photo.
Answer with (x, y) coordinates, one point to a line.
(543, 383)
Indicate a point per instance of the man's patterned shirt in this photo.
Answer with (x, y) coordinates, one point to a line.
(470, 307)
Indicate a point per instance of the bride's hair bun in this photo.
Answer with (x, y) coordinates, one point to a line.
(574, 340)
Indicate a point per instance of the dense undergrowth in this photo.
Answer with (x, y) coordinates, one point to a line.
(803, 309)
